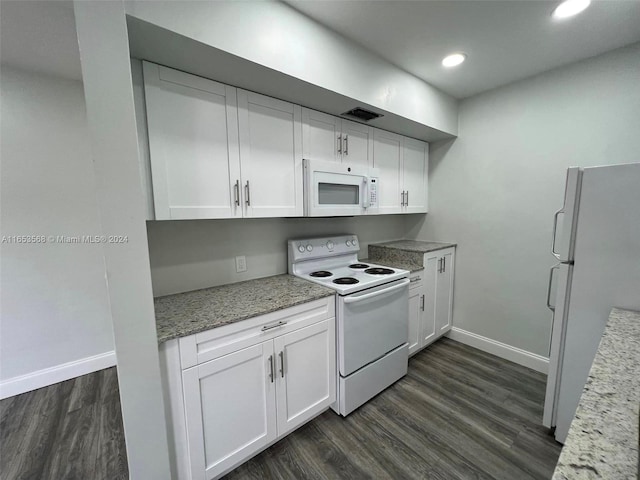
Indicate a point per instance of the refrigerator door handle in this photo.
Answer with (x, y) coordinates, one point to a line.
(549, 306)
(555, 228)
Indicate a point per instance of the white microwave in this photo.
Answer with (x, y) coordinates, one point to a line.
(336, 189)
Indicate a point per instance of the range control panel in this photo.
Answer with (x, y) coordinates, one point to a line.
(322, 247)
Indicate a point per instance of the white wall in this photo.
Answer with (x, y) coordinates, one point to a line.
(494, 190)
(275, 35)
(187, 255)
(54, 304)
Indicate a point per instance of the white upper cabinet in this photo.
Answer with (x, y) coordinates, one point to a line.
(270, 156)
(193, 143)
(320, 134)
(415, 170)
(387, 158)
(219, 152)
(330, 138)
(357, 143)
(403, 163)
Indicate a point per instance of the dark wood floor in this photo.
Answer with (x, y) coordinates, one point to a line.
(458, 414)
(71, 430)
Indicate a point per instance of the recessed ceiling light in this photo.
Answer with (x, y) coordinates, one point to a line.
(453, 59)
(569, 8)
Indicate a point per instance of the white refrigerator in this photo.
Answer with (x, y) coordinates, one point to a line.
(596, 239)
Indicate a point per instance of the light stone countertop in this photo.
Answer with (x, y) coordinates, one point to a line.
(404, 252)
(414, 245)
(187, 313)
(404, 265)
(603, 437)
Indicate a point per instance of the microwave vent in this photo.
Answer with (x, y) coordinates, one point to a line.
(362, 114)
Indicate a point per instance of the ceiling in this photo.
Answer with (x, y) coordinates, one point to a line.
(505, 40)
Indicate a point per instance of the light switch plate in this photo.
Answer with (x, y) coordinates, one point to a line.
(241, 264)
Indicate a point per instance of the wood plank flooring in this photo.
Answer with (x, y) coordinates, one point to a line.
(459, 414)
(71, 430)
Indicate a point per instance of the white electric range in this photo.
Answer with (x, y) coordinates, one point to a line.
(372, 314)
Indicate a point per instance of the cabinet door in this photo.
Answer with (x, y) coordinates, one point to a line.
(444, 292)
(230, 409)
(387, 157)
(415, 166)
(428, 330)
(415, 317)
(320, 134)
(193, 144)
(357, 144)
(270, 132)
(306, 373)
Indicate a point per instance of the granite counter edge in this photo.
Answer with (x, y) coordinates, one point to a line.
(203, 328)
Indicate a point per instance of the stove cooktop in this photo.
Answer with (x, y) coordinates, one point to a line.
(333, 262)
(348, 279)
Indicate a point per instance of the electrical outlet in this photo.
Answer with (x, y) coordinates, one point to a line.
(241, 264)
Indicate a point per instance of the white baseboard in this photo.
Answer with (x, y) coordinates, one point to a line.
(516, 355)
(59, 373)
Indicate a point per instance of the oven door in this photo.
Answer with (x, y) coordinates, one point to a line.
(371, 323)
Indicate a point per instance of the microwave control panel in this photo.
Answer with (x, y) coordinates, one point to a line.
(373, 193)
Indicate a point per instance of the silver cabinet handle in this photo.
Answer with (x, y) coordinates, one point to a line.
(415, 279)
(440, 265)
(406, 203)
(340, 144)
(271, 368)
(422, 304)
(402, 199)
(346, 144)
(549, 306)
(282, 363)
(237, 192)
(444, 264)
(274, 325)
(553, 237)
(247, 194)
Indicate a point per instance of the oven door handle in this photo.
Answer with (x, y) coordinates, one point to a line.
(352, 299)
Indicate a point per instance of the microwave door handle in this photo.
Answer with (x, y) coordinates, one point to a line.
(365, 200)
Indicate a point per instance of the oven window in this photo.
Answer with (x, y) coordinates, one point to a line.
(338, 194)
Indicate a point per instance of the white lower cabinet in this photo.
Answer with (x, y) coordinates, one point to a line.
(229, 408)
(431, 299)
(444, 291)
(234, 402)
(306, 381)
(416, 309)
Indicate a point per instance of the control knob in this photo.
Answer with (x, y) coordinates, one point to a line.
(301, 248)
(309, 248)
(330, 245)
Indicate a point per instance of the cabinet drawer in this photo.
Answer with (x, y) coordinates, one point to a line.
(214, 343)
(416, 280)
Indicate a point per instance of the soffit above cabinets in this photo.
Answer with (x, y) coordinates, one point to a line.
(152, 43)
